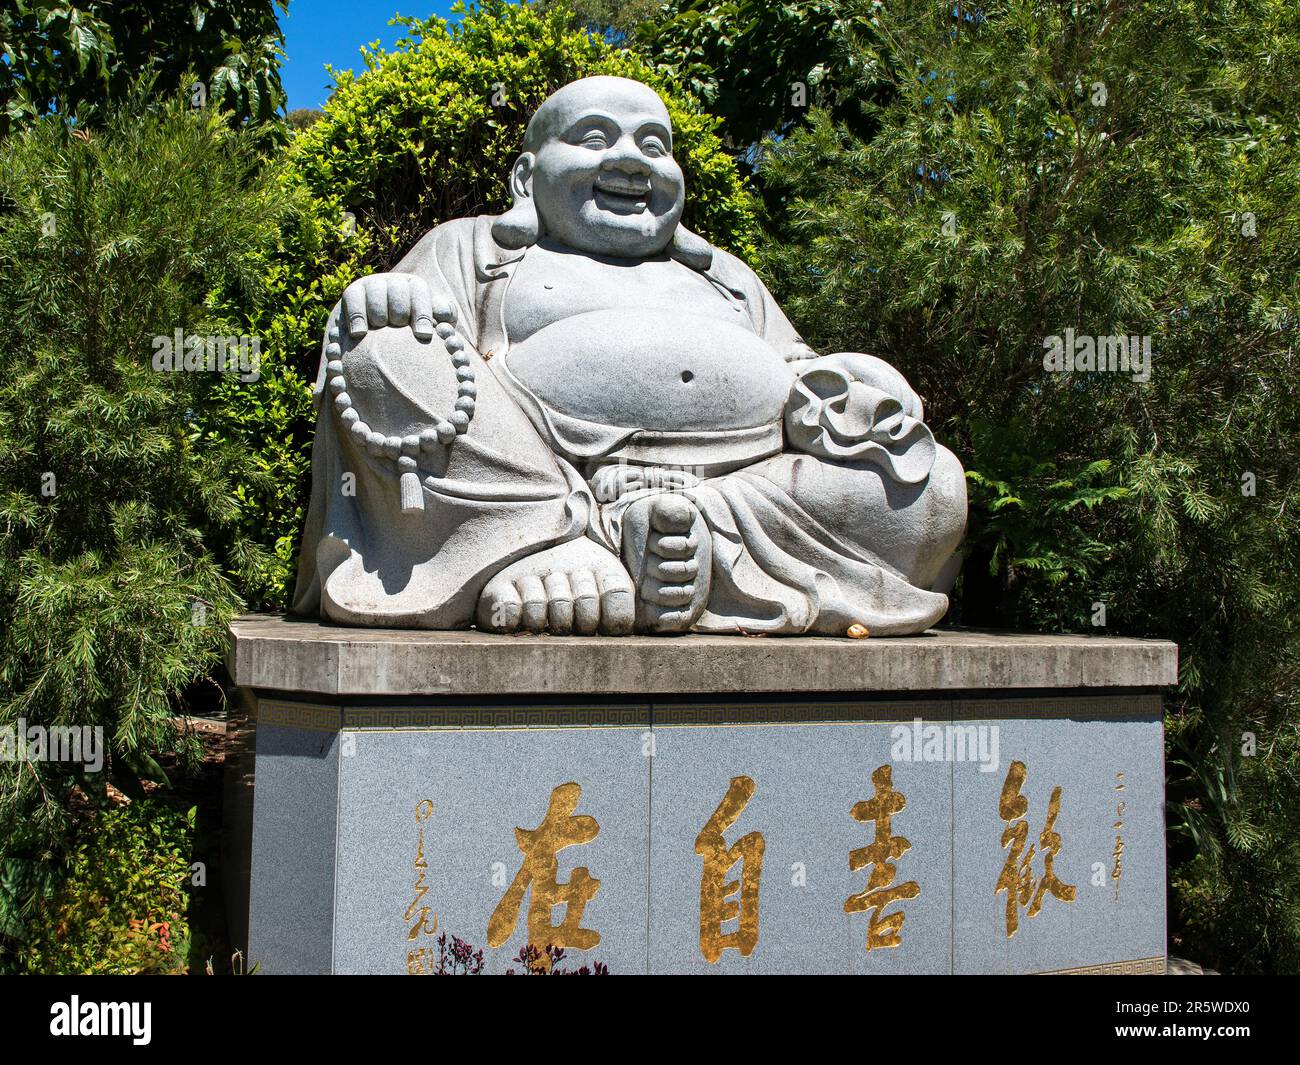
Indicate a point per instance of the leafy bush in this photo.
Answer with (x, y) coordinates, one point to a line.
(119, 548)
(760, 65)
(56, 58)
(613, 20)
(120, 908)
(424, 134)
(270, 421)
(1134, 171)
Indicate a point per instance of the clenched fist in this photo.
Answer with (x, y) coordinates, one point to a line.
(381, 300)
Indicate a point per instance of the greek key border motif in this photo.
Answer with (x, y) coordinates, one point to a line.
(1049, 707)
(488, 717)
(288, 714)
(669, 715)
(1135, 967)
(895, 710)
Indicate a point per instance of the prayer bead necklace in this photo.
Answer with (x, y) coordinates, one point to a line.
(404, 449)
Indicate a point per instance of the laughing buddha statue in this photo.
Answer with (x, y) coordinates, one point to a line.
(580, 417)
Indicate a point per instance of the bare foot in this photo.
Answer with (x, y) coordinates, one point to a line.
(668, 551)
(576, 587)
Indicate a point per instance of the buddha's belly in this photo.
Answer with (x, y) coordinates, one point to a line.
(654, 369)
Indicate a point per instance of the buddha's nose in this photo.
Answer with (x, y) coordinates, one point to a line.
(626, 157)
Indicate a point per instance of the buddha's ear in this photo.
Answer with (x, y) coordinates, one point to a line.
(691, 249)
(519, 227)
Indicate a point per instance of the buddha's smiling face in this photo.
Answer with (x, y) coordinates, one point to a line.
(602, 173)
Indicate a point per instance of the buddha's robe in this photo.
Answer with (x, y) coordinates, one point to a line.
(837, 508)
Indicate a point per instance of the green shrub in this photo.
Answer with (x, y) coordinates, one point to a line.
(1126, 171)
(270, 421)
(121, 908)
(119, 544)
(57, 58)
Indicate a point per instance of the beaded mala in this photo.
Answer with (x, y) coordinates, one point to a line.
(404, 449)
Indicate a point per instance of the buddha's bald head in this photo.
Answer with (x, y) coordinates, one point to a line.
(598, 166)
(566, 105)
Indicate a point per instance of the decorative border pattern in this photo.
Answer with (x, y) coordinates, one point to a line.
(491, 717)
(1135, 967)
(289, 713)
(1045, 708)
(1048, 707)
(678, 715)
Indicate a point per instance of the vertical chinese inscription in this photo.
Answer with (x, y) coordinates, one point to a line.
(560, 828)
(717, 904)
(880, 855)
(1017, 877)
(1117, 869)
(419, 959)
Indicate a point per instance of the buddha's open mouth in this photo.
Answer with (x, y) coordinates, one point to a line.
(625, 199)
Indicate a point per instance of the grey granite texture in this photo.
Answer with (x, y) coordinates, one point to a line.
(483, 785)
(337, 841)
(807, 780)
(1098, 764)
(292, 880)
(579, 417)
(293, 655)
(355, 728)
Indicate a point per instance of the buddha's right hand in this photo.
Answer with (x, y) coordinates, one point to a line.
(617, 480)
(380, 300)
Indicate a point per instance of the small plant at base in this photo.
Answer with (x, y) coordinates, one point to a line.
(458, 958)
(547, 963)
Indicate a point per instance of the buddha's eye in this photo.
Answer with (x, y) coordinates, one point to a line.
(595, 139)
(654, 147)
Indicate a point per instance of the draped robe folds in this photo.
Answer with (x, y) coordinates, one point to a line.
(513, 485)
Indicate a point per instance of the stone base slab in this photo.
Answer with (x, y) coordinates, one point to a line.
(294, 655)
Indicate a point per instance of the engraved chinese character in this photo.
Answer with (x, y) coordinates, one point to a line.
(716, 902)
(419, 962)
(540, 870)
(1017, 877)
(416, 912)
(887, 848)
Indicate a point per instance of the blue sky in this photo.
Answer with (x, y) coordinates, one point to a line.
(317, 32)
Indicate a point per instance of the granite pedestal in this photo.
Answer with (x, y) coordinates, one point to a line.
(956, 801)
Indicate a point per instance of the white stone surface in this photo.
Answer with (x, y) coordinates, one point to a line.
(501, 416)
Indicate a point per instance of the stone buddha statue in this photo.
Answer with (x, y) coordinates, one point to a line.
(580, 417)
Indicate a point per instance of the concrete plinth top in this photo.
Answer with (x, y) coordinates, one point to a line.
(285, 654)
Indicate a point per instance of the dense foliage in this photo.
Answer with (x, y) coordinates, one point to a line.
(1114, 169)
(760, 66)
(120, 908)
(613, 20)
(63, 57)
(119, 552)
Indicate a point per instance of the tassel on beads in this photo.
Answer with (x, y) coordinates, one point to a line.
(412, 492)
